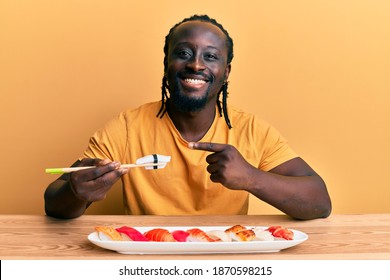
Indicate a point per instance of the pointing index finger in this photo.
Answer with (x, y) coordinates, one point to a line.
(206, 146)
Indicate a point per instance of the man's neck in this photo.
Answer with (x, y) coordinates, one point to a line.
(193, 125)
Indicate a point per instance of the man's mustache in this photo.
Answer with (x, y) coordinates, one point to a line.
(209, 78)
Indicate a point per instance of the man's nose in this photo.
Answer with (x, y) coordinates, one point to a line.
(196, 63)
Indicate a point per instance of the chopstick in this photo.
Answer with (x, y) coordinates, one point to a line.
(62, 170)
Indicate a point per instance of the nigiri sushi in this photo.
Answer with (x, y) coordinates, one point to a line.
(262, 234)
(197, 235)
(159, 235)
(240, 233)
(180, 235)
(219, 235)
(129, 233)
(235, 228)
(106, 233)
(243, 235)
(281, 232)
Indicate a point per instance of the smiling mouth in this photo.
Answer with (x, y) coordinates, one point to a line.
(195, 81)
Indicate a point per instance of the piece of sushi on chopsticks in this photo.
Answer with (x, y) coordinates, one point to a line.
(149, 162)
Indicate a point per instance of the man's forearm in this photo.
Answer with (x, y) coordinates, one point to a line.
(301, 197)
(61, 202)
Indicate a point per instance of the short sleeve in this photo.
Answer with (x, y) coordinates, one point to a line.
(110, 141)
(276, 149)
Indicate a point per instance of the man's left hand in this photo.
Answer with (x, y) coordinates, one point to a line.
(226, 165)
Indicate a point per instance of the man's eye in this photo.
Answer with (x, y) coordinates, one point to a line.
(211, 56)
(183, 53)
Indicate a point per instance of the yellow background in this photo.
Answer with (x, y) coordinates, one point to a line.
(319, 71)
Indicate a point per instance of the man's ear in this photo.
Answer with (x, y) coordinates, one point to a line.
(227, 71)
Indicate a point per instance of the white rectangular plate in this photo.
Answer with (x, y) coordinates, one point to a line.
(133, 247)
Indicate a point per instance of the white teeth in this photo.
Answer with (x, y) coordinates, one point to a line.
(195, 81)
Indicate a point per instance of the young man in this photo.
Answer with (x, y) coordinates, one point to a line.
(216, 160)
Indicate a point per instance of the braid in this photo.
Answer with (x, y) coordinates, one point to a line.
(224, 104)
(219, 106)
(164, 98)
(222, 107)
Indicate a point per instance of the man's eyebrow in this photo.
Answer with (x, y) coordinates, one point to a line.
(187, 43)
(212, 47)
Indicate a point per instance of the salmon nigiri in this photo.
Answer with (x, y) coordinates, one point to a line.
(131, 233)
(159, 235)
(197, 235)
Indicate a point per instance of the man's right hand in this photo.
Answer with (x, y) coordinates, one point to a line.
(71, 194)
(93, 184)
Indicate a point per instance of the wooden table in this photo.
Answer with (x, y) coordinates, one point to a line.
(348, 237)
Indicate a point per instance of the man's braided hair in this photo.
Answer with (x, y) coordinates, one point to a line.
(222, 108)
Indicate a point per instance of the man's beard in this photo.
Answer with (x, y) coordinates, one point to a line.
(186, 103)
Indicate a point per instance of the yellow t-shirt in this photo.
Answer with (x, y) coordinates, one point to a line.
(183, 187)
